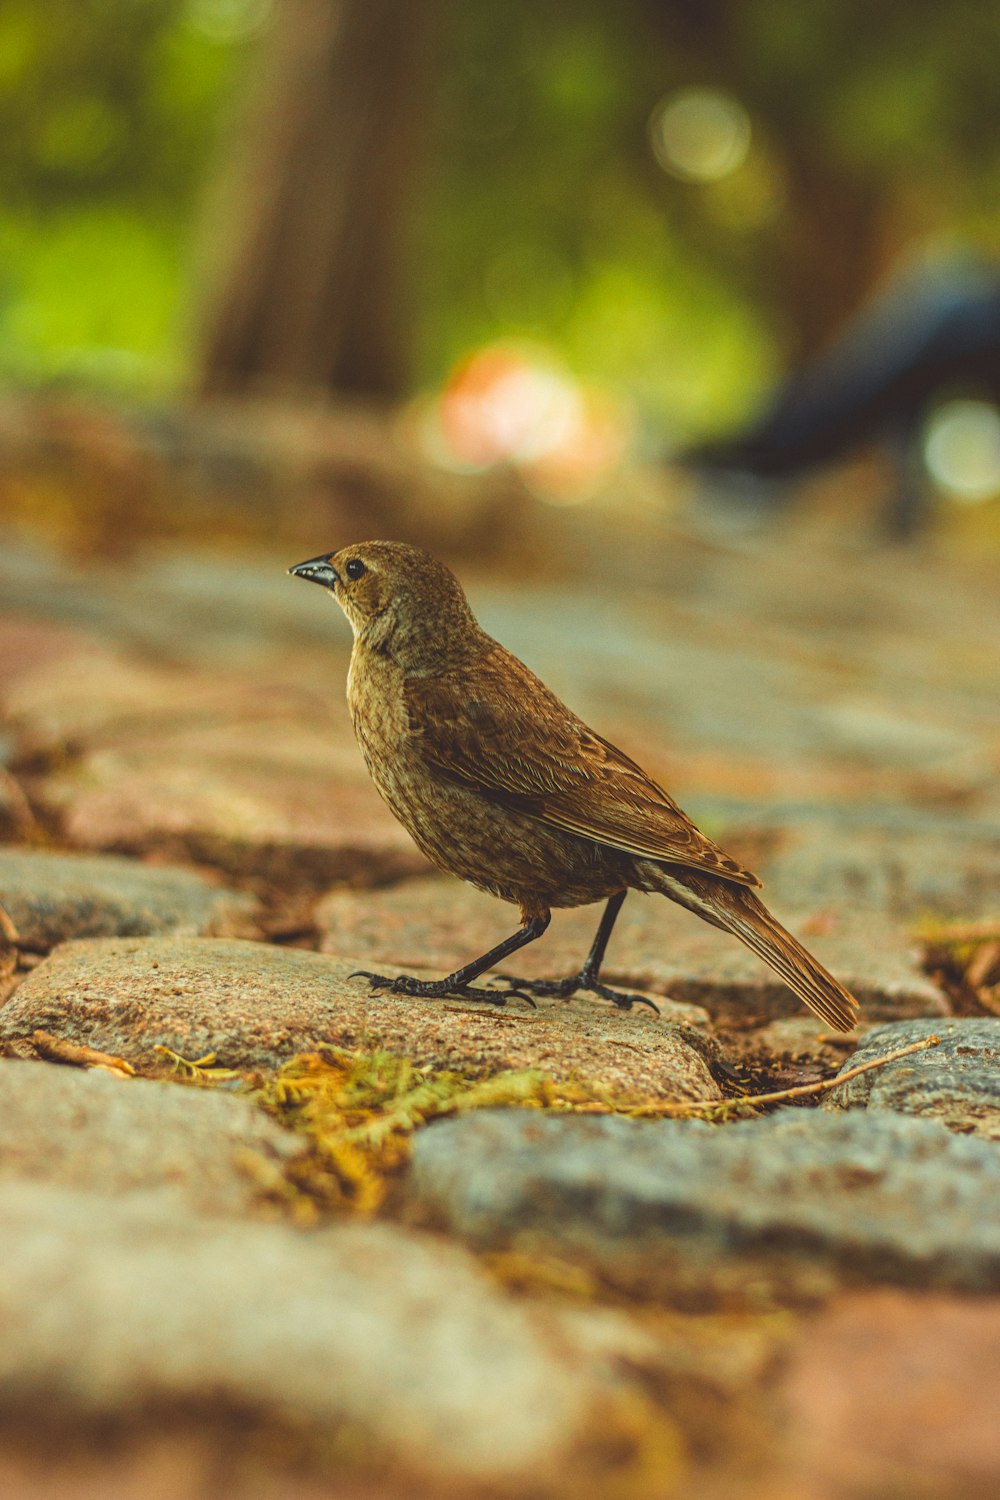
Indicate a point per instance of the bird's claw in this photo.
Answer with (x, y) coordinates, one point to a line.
(623, 999)
(438, 989)
(562, 989)
(376, 982)
(512, 993)
(513, 989)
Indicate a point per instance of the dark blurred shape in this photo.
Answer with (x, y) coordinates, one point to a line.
(933, 335)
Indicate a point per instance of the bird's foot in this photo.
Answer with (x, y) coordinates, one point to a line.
(558, 989)
(440, 989)
(562, 989)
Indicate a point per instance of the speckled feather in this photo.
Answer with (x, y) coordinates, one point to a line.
(492, 726)
(498, 782)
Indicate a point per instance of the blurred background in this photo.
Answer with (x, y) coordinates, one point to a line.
(286, 264)
(674, 325)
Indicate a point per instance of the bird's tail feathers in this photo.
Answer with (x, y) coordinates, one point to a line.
(815, 986)
(737, 910)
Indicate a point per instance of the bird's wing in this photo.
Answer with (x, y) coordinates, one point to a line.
(495, 727)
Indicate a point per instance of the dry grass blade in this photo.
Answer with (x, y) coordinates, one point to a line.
(960, 932)
(981, 969)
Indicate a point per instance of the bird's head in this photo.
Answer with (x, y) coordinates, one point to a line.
(400, 601)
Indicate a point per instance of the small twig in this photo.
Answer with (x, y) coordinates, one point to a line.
(800, 1091)
(803, 1090)
(57, 1050)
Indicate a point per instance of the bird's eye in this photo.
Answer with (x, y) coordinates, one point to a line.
(354, 568)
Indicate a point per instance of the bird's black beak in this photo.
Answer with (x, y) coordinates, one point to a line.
(317, 570)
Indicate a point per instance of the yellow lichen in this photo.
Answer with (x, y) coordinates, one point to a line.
(359, 1110)
(205, 1069)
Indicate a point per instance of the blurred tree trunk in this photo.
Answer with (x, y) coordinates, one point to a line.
(311, 269)
(832, 247)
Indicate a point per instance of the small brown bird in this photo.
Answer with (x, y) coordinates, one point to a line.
(500, 784)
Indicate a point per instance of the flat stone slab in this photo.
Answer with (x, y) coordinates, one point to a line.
(251, 767)
(51, 897)
(76, 688)
(746, 627)
(656, 946)
(30, 646)
(256, 1005)
(957, 1082)
(398, 1347)
(271, 797)
(113, 1136)
(785, 1207)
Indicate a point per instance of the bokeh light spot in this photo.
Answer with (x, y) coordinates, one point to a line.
(962, 450)
(700, 135)
(230, 20)
(511, 403)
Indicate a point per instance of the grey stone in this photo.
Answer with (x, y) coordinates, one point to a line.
(78, 688)
(957, 1082)
(779, 1208)
(114, 1136)
(395, 1344)
(865, 729)
(903, 874)
(735, 634)
(51, 897)
(256, 1005)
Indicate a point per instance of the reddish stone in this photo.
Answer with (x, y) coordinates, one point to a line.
(249, 787)
(896, 1394)
(28, 645)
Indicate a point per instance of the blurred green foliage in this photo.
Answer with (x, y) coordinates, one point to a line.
(542, 213)
(873, 137)
(109, 113)
(547, 217)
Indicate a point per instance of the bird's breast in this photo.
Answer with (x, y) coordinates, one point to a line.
(458, 828)
(392, 751)
(378, 711)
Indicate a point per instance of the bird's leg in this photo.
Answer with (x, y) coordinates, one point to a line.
(460, 983)
(588, 977)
